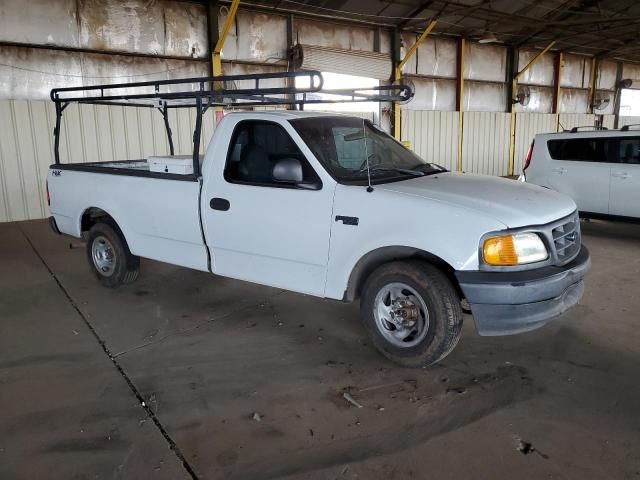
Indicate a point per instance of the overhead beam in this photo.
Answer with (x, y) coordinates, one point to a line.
(414, 13)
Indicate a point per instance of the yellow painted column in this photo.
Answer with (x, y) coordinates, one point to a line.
(397, 76)
(216, 60)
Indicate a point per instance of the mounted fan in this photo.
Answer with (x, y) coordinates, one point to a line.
(601, 102)
(405, 80)
(523, 96)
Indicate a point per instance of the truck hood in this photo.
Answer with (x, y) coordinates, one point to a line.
(516, 204)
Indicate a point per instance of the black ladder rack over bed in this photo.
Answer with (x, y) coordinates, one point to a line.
(202, 93)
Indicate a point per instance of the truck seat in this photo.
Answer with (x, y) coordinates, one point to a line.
(255, 165)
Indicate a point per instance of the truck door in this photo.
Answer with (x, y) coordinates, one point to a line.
(261, 229)
(579, 168)
(624, 198)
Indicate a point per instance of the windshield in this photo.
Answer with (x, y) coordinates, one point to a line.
(344, 144)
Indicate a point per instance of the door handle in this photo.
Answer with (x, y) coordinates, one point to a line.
(622, 175)
(221, 204)
(559, 170)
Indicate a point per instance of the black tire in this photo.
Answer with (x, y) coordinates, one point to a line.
(438, 336)
(121, 267)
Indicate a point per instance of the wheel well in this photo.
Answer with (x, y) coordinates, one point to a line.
(372, 260)
(93, 215)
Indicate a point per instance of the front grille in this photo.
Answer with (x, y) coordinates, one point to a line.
(566, 239)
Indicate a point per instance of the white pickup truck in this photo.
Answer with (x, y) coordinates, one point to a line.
(331, 206)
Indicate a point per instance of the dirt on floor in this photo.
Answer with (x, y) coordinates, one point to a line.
(186, 375)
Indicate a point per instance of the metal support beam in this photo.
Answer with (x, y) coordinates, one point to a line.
(196, 137)
(212, 27)
(593, 82)
(56, 133)
(514, 90)
(290, 44)
(460, 96)
(398, 73)
(617, 96)
(217, 49)
(415, 46)
(535, 59)
(395, 59)
(165, 115)
(557, 76)
(415, 12)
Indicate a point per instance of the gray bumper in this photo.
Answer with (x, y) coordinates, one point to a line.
(505, 303)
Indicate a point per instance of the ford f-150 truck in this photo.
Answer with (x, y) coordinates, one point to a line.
(331, 206)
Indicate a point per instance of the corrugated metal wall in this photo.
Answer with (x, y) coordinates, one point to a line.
(528, 125)
(628, 121)
(570, 120)
(433, 135)
(89, 133)
(485, 142)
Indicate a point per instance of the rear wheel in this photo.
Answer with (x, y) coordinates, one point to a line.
(412, 313)
(109, 256)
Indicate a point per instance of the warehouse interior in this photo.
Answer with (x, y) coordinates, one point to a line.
(187, 375)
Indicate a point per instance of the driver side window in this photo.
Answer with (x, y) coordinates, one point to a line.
(255, 149)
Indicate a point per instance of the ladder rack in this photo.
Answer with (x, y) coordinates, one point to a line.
(227, 91)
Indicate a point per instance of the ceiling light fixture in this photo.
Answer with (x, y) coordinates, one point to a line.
(488, 37)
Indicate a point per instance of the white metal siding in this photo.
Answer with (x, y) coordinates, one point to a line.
(608, 121)
(433, 135)
(570, 120)
(485, 142)
(528, 125)
(628, 121)
(89, 133)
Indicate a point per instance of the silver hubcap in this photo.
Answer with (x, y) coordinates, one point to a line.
(401, 315)
(104, 256)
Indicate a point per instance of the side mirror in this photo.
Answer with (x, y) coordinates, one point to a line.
(288, 170)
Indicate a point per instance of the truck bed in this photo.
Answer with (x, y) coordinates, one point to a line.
(139, 168)
(157, 212)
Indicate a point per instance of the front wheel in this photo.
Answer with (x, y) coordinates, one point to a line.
(412, 313)
(109, 256)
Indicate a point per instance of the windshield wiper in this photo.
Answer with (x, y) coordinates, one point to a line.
(406, 171)
(433, 168)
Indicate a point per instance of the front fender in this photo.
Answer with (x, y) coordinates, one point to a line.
(388, 219)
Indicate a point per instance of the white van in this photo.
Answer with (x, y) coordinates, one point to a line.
(599, 169)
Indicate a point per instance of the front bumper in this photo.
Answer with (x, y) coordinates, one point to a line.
(504, 303)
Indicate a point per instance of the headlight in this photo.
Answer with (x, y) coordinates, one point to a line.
(516, 249)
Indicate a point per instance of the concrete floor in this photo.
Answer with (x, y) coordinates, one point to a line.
(204, 354)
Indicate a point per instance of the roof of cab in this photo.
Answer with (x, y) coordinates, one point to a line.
(289, 114)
